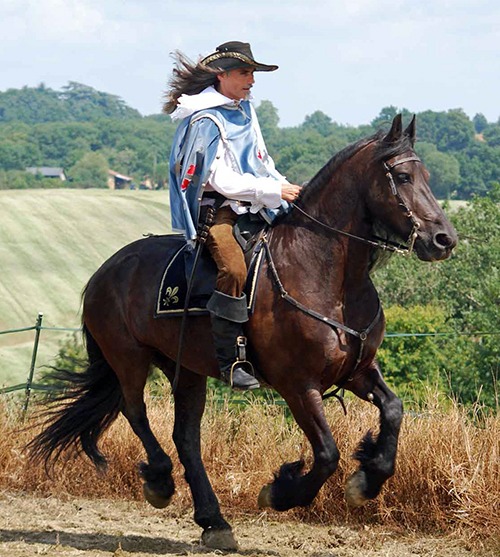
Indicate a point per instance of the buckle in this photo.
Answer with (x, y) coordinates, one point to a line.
(241, 349)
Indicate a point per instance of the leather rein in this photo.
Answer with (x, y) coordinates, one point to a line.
(380, 244)
(405, 250)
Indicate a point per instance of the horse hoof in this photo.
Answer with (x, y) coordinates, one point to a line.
(265, 497)
(154, 499)
(219, 539)
(354, 490)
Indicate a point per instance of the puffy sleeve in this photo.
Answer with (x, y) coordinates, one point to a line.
(259, 191)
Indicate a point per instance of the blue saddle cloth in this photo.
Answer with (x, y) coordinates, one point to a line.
(174, 282)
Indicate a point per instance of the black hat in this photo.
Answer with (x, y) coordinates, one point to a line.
(234, 54)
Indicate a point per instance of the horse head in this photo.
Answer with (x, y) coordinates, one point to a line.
(400, 200)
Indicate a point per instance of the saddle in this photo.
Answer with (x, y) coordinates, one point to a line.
(175, 278)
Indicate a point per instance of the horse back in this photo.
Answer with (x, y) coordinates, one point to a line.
(133, 269)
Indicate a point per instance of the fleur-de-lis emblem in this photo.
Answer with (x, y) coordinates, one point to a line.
(171, 296)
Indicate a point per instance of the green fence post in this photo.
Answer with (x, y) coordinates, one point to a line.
(29, 382)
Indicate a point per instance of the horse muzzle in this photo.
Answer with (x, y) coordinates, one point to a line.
(436, 245)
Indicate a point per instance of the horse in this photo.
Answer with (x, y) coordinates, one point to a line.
(316, 325)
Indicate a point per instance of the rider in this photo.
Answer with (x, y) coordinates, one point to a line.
(219, 158)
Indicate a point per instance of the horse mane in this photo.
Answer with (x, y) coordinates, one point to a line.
(384, 150)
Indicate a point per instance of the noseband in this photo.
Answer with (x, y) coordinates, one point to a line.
(379, 243)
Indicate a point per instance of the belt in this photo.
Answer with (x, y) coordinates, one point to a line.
(218, 196)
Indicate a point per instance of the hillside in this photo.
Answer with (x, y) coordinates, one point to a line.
(51, 241)
(76, 102)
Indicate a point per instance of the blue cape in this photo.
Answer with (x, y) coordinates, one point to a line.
(194, 148)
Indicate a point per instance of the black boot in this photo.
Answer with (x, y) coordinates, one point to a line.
(227, 315)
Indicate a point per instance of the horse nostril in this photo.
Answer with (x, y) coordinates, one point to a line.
(444, 241)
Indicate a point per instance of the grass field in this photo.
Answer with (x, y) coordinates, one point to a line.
(51, 241)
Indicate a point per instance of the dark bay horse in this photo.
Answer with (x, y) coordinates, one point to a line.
(317, 324)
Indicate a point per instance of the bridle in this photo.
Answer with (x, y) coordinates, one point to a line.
(405, 249)
(384, 245)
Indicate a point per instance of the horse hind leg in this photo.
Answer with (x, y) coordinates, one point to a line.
(190, 396)
(132, 368)
(377, 456)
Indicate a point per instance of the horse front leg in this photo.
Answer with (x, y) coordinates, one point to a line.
(290, 487)
(377, 456)
(190, 397)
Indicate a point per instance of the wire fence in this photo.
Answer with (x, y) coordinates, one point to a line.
(29, 386)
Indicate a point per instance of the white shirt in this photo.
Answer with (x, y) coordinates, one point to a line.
(259, 191)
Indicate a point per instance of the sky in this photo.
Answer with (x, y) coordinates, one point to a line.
(346, 58)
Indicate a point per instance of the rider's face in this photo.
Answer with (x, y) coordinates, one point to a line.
(236, 84)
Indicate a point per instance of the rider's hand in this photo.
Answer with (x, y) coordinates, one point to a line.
(289, 192)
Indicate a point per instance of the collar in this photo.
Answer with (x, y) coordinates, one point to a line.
(208, 98)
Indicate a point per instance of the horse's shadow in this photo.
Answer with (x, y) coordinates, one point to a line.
(88, 541)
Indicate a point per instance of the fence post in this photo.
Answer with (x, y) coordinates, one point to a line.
(29, 382)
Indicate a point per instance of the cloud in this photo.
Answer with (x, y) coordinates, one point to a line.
(58, 21)
(348, 58)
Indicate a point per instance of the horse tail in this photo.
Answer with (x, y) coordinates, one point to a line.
(88, 404)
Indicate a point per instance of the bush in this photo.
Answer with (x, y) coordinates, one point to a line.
(411, 362)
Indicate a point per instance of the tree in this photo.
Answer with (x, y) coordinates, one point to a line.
(268, 117)
(32, 105)
(480, 122)
(86, 103)
(91, 171)
(444, 169)
(479, 169)
(318, 121)
(492, 135)
(301, 153)
(410, 362)
(428, 125)
(63, 143)
(455, 131)
(387, 115)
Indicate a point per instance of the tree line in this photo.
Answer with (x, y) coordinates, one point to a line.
(86, 132)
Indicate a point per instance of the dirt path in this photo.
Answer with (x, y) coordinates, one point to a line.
(32, 526)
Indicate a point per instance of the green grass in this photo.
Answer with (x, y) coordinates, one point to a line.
(51, 241)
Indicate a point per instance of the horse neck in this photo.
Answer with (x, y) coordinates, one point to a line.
(339, 204)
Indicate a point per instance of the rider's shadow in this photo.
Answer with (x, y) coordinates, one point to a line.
(87, 541)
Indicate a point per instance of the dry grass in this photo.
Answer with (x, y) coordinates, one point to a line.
(447, 479)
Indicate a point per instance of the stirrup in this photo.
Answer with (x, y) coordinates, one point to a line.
(243, 364)
(241, 356)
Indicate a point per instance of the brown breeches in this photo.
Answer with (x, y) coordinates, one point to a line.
(227, 254)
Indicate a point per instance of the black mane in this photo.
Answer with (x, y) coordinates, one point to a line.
(384, 150)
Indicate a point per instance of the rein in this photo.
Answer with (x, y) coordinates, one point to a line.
(362, 335)
(378, 243)
(405, 250)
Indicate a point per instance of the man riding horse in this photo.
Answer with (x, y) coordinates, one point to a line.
(219, 159)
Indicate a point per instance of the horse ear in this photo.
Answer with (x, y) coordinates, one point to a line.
(396, 130)
(411, 130)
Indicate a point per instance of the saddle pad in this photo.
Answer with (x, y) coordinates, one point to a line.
(174, 282)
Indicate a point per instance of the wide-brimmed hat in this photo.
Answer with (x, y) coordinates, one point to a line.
(234, 54)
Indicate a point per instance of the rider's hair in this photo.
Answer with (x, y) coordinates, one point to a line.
(188, 78)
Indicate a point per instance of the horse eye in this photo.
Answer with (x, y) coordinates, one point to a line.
(403, 178)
